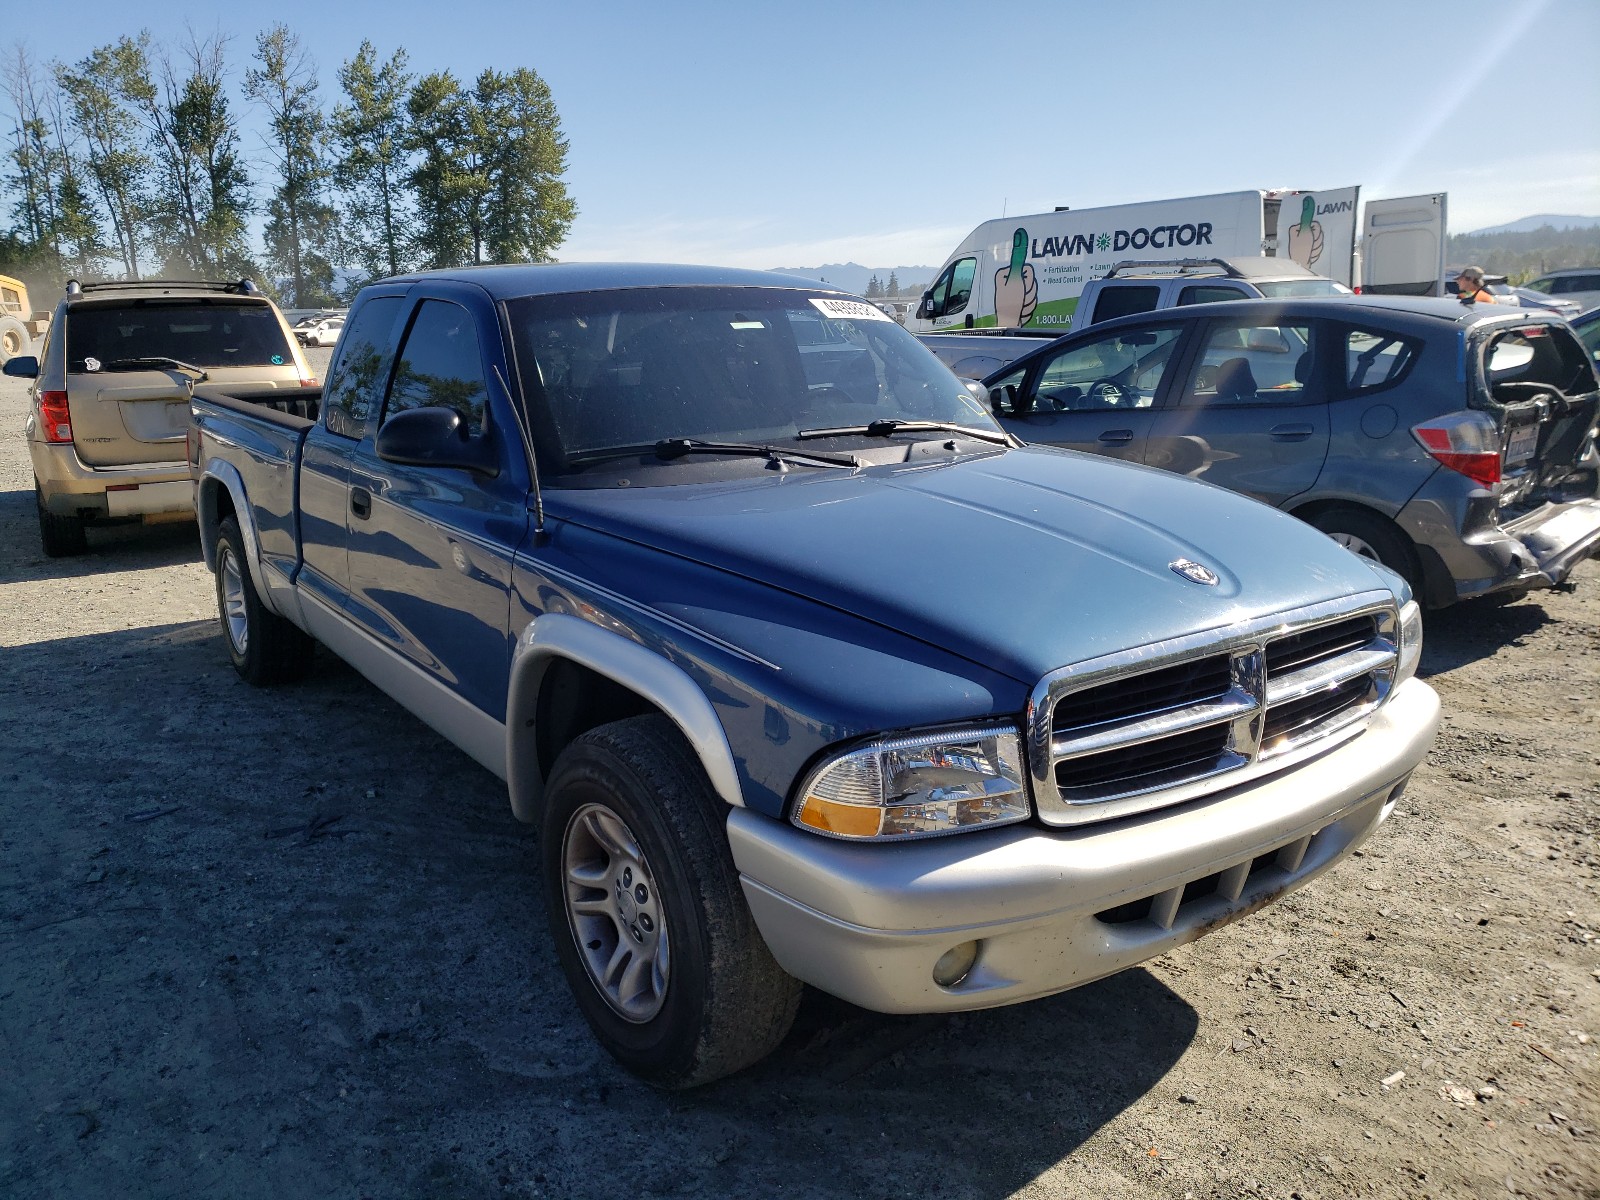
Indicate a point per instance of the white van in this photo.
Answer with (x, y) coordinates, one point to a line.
(1030, 271)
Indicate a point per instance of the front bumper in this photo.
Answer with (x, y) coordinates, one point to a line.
(1053, 910)
(68, 488)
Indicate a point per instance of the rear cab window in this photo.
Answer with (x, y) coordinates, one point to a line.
(204, 333)
(1126, 300)
(358, 374)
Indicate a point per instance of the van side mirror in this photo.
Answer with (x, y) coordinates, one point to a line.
(925, 309)
(435, 437)
(23, 366)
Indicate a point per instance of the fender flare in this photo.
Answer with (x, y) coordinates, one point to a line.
(668, 686)
(219, 473)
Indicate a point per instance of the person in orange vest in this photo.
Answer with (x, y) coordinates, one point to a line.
(1469, 286)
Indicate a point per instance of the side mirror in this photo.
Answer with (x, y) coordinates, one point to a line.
(925, 309)
(1003, 400)
(23, 366)
(435, 437)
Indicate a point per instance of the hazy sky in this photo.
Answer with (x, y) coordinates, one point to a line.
(771, 134)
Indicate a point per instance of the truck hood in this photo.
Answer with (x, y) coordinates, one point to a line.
(1024, 560)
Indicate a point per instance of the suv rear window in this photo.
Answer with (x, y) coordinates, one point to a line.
(1296, 289)
(204, 333)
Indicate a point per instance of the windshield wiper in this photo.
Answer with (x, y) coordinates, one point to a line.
(889, 426)
(157, 360)
(677, 447)
(671, 448)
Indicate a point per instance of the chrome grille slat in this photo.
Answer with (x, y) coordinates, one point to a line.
(1163, 724)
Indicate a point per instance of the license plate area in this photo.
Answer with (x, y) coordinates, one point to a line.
(1521, 444)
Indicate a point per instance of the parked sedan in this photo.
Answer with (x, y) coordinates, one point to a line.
(1446, 442)
(324, 332)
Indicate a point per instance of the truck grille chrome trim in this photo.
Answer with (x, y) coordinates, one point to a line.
(1169, 722)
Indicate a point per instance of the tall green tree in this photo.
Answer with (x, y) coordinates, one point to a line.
(488, 178)
(117, 165)
(374, 159)
(200, 202)
(892, 288)
(35, 163)
(301, 224)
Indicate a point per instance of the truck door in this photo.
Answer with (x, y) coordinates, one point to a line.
(1097, 393)
(431, 547)
(351, 395)
(952, 297)
(1251, 414)
(1403, 245)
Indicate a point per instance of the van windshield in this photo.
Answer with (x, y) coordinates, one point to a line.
(633, 367)
(205, 333)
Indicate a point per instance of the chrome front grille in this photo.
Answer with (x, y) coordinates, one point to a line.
(1165, 723)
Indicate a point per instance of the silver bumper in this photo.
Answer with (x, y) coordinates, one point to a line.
(1053, 910)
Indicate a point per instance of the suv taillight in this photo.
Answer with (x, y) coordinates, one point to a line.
(54, 417)
(1467, 442)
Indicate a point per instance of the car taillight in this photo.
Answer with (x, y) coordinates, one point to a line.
(1467, 442)
(309, 381)
(54, 417)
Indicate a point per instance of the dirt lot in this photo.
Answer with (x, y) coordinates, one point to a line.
(288, 944)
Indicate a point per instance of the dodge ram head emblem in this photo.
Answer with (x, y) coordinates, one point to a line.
(1194, 572)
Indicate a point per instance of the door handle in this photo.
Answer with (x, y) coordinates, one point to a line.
(361, 503)
(1112, 436)
(1291, 433)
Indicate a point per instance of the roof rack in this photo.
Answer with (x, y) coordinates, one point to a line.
(240, 287)
(1185, 266)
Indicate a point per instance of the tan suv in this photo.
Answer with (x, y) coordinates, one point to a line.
(111, 386)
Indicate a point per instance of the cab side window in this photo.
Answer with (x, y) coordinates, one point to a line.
(440, 366)
(357, 376)
(1244, 363)
(954, 287)
(1205, 293)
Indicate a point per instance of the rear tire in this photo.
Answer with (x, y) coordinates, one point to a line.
(14, 339)
(643, 900)
(1373, 538)
(263, 647)
(62, 537)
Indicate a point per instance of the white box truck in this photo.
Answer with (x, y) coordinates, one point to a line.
(1028, 272)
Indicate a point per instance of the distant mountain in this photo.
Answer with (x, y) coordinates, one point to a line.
(853, 277)
(1529, 224)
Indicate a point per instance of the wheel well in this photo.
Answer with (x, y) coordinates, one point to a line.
(1423, 571)
(574, 699)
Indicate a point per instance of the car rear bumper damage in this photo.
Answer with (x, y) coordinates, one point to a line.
(1050, 910)
(1481, 556)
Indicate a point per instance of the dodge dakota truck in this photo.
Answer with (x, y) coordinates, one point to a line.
(806, 671)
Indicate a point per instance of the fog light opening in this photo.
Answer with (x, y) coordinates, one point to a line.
(955, 964)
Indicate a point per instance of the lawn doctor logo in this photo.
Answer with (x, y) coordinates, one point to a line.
(1157, 237)
(1194, 572)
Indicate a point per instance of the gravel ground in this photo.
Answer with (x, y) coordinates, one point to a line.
(288, 944)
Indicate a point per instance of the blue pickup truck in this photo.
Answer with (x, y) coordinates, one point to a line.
(804, 668)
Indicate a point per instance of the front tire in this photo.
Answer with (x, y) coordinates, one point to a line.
(263, 647)
(650, 924)
(61, 537)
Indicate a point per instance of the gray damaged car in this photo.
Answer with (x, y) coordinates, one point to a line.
(1452, 443)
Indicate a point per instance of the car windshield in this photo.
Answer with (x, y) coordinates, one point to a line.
(628, 368)
(206, 333)
(1295, 289)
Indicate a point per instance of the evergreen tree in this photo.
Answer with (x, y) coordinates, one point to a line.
(374, 162)
(874, 288)
(300, 222)
(893, 289)
(116, 165)
(488, 177)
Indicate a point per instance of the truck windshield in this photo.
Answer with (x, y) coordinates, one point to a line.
(206, 333)
(633, 367)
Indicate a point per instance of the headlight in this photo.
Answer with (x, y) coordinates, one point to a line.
(918, 786)
(1410, 642)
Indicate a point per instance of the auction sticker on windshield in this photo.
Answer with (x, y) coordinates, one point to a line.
(849, 310)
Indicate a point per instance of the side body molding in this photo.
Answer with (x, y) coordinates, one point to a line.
(666, 685)
(221, 475)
